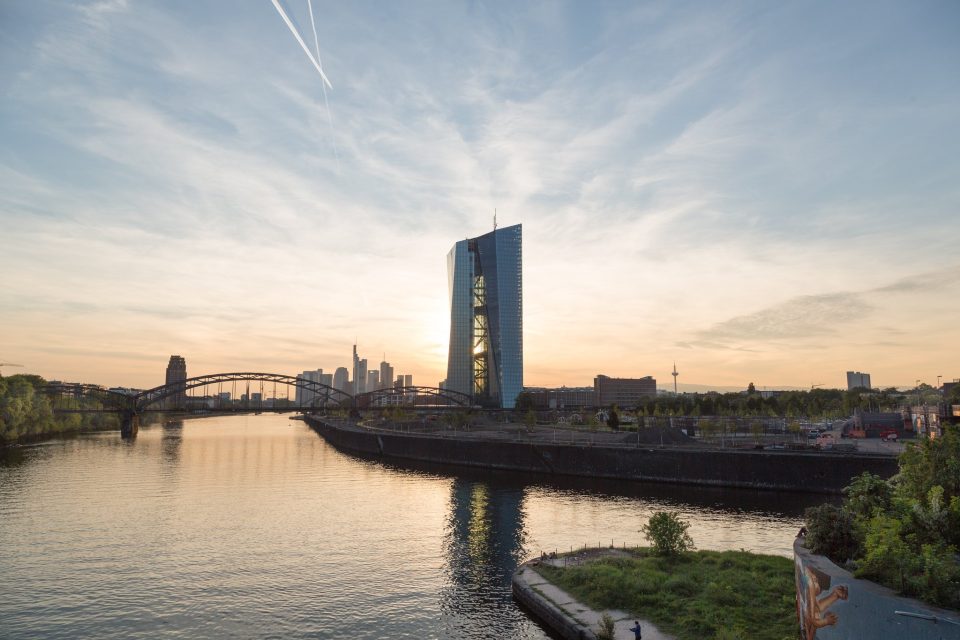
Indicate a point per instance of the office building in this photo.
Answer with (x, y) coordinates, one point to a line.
(341, 379)
(623, 392)
(177, 372)
(373, 380)
(485, 358)
(561, 398)
(408, 380)
(858, 380)
(386, 374)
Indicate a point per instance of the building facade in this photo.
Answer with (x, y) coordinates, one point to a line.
(485, 358)
(623, 392)
(341, 379)
(858, 380)
(177, 372)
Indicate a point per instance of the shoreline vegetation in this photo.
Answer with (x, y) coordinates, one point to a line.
(903, 533)
(26, 415)
(693, 595)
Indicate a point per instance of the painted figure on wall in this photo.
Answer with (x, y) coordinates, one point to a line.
(811, 605)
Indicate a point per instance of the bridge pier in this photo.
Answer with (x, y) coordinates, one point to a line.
(129, 425)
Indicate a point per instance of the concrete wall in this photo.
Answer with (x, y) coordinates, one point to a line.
(558, 621)
(787, 470)
(832, 604)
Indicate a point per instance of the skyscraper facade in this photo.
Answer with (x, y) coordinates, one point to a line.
(858, 380)
(177, 372)
(341, 379)
(386, 375)
(485, 278)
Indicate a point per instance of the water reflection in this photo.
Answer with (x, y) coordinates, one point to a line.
(172, 441)
(255, 527)
(482, 546)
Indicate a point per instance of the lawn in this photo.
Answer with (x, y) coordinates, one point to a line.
(697, 595)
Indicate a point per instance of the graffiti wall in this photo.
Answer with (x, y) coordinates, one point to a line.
(832, 604)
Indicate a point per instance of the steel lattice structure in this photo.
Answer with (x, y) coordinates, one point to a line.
(152, 399)
(413, 397)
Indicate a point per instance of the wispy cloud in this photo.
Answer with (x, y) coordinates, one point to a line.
(675, 168)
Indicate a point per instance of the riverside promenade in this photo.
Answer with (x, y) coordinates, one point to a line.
(564, 614)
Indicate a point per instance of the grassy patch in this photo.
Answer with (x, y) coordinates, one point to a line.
(697, 595)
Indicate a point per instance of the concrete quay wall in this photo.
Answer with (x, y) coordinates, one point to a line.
(550, 614)
(781, 470)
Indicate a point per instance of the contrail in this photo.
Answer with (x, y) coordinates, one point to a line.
(316, 43)
(296, 34)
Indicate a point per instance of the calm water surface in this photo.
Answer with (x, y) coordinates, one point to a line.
(254, 527)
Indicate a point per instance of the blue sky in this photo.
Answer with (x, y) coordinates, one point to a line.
(763, 192)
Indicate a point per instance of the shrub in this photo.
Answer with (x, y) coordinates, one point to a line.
(867, 493)
(668, 533)
(606, 628)
(832, 532)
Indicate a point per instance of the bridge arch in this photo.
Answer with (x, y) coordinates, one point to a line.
(324, 395)
(413, 397)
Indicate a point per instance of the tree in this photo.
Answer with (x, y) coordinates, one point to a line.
(751, 389)
(867, 493)
(613, 420)
(530, 420)
(795, 428)
(708, 428)
(524, 401)
(668, 533)
(832, 532)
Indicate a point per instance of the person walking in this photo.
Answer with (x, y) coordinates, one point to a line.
(637, 632)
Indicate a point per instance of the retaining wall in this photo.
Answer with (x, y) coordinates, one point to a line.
(549, 613)
(783, 470)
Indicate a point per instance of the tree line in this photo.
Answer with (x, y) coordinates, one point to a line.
(26, 412)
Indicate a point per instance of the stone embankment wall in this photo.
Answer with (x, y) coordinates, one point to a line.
(559, 622)
(785, 470)
(833, 605)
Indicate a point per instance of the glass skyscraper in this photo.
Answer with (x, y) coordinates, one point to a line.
(486, 317)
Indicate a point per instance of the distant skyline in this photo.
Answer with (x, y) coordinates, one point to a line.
(760, 192)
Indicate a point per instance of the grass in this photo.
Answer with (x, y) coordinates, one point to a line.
(695, 596)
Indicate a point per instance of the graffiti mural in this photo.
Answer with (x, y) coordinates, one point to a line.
(832, 604)
(814, 599)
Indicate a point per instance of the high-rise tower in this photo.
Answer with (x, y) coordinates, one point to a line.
(485, 279)
(177, 372)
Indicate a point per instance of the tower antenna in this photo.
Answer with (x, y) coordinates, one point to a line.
(494, 218)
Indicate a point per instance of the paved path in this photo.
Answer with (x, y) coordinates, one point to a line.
(587, 616)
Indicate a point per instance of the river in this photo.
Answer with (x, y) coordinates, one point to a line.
(254, 527)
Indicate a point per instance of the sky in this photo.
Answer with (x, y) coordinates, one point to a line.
(760, 192)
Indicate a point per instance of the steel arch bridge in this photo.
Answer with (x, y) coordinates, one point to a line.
(407, 397)
(87, 398)
(324, 395)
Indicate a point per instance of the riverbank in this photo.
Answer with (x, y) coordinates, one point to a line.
(695, 596)
(560, 452)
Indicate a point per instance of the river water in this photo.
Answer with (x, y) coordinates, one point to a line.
(254, 527)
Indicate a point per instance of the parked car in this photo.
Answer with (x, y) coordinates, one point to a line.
(889, 436)
(813, 434)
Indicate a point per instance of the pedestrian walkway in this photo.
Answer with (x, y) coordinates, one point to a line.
(586, 616)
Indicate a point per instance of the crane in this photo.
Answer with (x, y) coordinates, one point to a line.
(8, 364)
(814, 386)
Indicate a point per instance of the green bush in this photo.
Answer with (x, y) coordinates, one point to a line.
(606, 627)
(903, 533)
(668, 533)
(833, 532)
